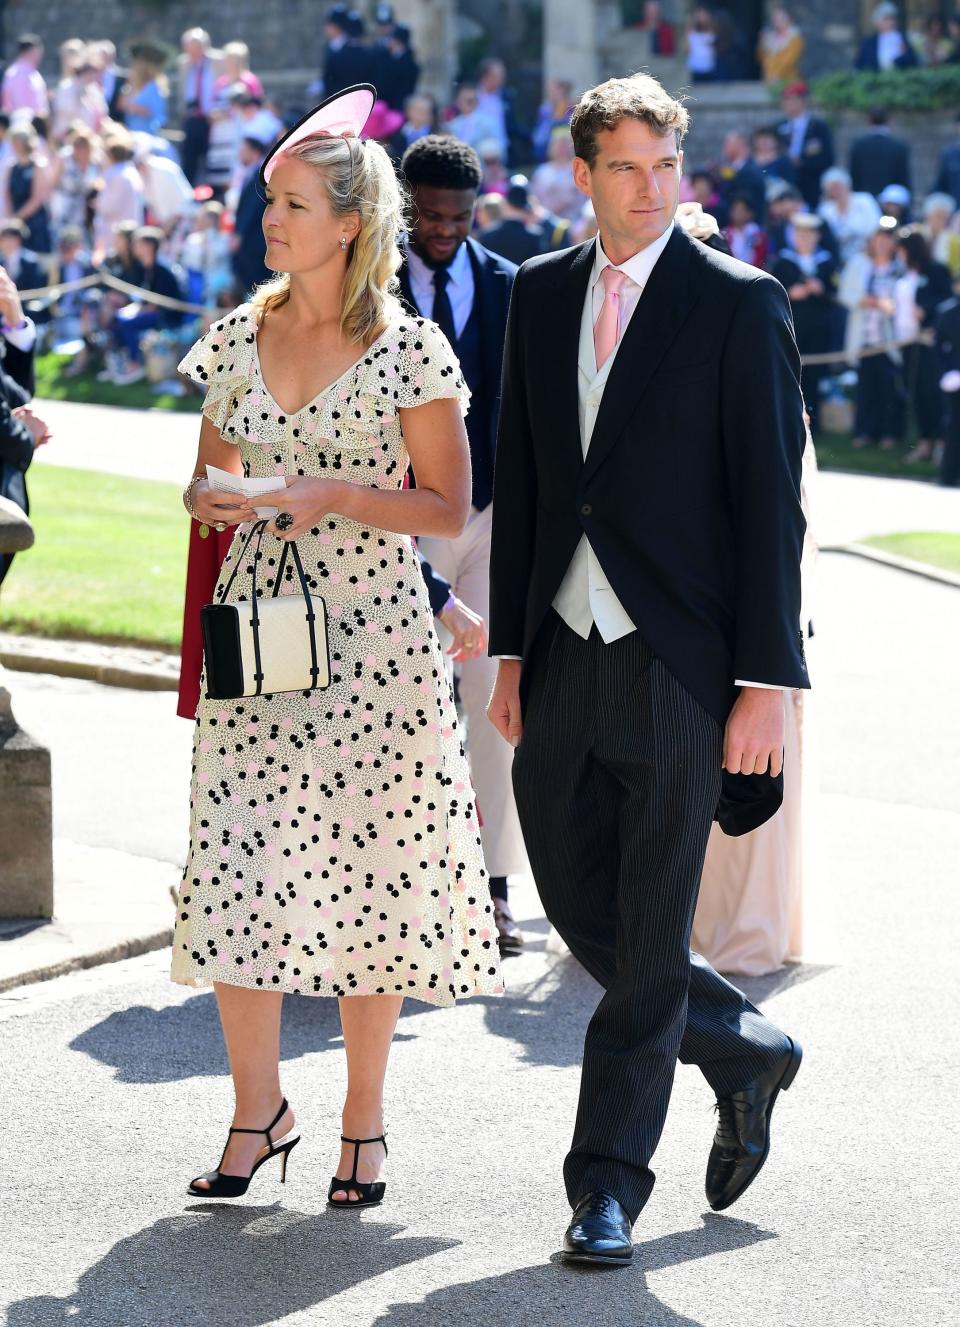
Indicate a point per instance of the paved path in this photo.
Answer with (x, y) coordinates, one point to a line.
(154, 444)
(119, 1092)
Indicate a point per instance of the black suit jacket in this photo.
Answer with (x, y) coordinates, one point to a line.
(514, 240)
(816, 156)
(248, 264)
(493, 280)
(690, 492)
(749, 182)
(868, 56)
(16, 440)
(878, 158)
(352, 63)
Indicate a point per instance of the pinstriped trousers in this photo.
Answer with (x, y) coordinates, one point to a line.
(617, 778)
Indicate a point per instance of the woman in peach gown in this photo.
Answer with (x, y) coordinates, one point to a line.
(750, 916)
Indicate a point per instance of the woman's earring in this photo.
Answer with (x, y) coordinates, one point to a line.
(343, 242)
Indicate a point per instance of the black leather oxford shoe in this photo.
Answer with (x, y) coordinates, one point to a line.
(742, 1140)
(599, 1231)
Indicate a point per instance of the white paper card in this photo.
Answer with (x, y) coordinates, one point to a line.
(225, 482)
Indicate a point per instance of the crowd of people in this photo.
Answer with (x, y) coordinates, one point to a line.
(107, 172)
(716, 49)
(112, 170)
(871, 267)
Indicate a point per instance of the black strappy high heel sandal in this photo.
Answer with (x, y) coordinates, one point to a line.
(234, 1186)
(371, 1193)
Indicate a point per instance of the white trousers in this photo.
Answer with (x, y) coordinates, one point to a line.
(465, 563)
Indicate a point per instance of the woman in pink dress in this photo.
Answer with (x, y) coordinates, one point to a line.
(750, 916)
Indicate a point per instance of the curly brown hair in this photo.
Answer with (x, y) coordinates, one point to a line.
(639, 97)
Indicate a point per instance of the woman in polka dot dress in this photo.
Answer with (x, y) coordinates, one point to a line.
(335, 847)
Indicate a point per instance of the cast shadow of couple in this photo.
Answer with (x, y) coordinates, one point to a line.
(252, 1265)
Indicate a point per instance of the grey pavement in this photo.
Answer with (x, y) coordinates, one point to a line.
(119, 1091)
(144, 444)
(154, 444)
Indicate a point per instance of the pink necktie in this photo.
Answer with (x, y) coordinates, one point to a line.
(606, 330)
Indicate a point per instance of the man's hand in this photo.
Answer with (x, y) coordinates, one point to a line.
(697, 223)
(754, 736)
(40, 430)
(504, 708)
(468, 629)
(11, 310)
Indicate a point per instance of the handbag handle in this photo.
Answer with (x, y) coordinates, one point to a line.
(259, 530)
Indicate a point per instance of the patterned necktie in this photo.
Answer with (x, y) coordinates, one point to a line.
(606, 330)
(442, 308)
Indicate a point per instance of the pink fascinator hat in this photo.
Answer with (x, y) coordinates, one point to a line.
(343, 115)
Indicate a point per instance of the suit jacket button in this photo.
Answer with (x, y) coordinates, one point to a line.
(586, 509)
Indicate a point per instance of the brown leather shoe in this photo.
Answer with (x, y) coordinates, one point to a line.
(509, 935)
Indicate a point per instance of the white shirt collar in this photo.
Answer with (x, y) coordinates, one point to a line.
(639, 267)
(458, 270)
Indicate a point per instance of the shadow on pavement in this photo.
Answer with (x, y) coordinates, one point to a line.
(759, 989)
(555, 1293)
(238, 1266)
(547, 1017)
(147, 1045)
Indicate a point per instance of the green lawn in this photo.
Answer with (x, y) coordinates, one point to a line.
(835, 452)
(109, 561)
(940, 550)
(52, 384)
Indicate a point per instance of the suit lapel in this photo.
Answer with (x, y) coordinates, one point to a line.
(406, 292)
(559, 403)
(663, 308)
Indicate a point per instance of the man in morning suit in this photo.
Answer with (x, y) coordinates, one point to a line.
(645, 606)
(449, 277)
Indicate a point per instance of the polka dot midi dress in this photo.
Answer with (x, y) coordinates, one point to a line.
(334, 842)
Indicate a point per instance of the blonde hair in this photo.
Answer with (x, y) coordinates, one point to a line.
(358, 177)
(239, 51)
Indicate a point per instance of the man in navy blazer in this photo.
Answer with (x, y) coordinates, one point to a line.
(449, 277)
(879, 157)
(248, 265)
(889, 47)
(809, 141)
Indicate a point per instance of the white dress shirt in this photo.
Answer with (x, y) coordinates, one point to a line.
(460, 287)
(890, 47)
(798, 128)
(23, 337)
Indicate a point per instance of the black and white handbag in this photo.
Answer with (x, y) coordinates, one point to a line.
(261, 646)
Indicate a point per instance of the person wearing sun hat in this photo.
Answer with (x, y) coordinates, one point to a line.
(334, 845)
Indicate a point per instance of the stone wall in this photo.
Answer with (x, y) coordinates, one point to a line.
(285, 36)
(717, 110)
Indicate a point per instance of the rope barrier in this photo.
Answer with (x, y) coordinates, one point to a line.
(52, 293)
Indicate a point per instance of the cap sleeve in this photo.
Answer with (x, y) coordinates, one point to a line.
(221, 361)
(427, 368)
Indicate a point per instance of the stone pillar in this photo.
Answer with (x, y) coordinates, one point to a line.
(434, 25)
(26, 820)
(572, 40)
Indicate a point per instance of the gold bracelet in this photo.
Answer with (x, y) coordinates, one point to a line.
(188, 498)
